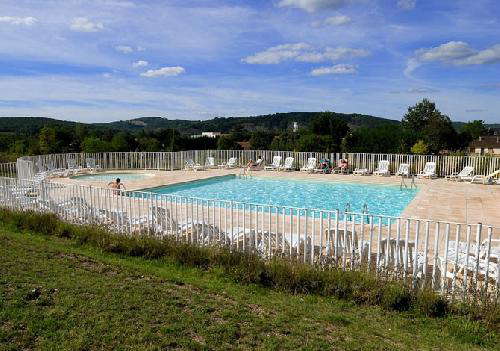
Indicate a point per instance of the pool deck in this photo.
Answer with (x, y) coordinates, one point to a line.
(437, 199)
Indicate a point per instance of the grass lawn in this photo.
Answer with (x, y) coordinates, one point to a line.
(57, 295)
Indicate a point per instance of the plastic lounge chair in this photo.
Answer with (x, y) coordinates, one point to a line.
(383, 168)
(73, 168)
(403, 170)
(489, 179)
(463, 175)
(311, 165)
(55, 172)
(275, 165)
(360, 171)
(91, 165)
(429, 171)
(210, 162)
(288, 165)
(189, 164)
(231, 163)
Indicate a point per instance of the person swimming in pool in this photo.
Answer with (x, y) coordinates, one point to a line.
(117, 185)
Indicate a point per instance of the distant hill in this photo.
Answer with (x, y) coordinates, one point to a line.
(277, 121)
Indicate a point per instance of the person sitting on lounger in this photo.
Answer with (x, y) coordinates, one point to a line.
(324, 166)
(255, 164)
(117, 185)
(343, 165)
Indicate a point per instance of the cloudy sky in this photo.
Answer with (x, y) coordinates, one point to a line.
(103, 60)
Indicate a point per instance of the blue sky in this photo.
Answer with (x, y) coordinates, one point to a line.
(104, 60)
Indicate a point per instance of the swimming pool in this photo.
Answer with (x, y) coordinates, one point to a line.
(380, 199)
(111, 176)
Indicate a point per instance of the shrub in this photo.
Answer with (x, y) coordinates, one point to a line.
(431, 304)
(397, 297)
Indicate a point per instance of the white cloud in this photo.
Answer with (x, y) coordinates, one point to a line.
(140, 63)
(163, 72)
(26, 21)
(407, 4)
(277, 54)
(454, 52)
(124, 49)
(490, 55)
(446, 52)
(331, 54)
(313, 5)
(337, 69)
(337, 20)
(302, 52)
(421, 90)
(83, 24)
(333, 21)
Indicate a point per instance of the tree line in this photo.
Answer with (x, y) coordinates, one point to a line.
(423, 130)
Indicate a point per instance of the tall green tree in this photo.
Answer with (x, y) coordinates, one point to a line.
(425, 122)
(326, 123)
(47, 140)
(261, 140)
(475, 128)
(94, 144)
(227, 142)
(122, 141)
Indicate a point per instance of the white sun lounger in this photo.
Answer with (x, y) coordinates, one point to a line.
(465, 174)
(489, 179)
(190, 165)
(288, 165)
(73, 168)
(91, 165)
(403, 170)
(275, 165)
(360, 171)
(383, 168)
(429, 171)
(210, 162)
(231, 163)
(311, 165)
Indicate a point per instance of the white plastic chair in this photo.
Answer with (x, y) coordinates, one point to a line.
(288, 165)
(429, 171)
(465, 174)
(311, 165)
(403, 170)
(383, 168)
(275, 165)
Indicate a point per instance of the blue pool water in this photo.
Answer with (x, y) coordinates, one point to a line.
(380, 199)
(110, 176)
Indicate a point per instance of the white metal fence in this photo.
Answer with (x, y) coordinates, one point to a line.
(28, 166)
(8, 169)
(454, 258)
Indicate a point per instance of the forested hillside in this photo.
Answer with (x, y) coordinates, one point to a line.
(422, 130)
(277, 122)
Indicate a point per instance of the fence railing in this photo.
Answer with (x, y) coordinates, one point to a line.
(8, 169)
(28, 166)
(454, 258)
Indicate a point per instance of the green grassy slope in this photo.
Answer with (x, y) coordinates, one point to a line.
(55, 294)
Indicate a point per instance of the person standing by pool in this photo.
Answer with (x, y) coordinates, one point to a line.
(117, 185)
